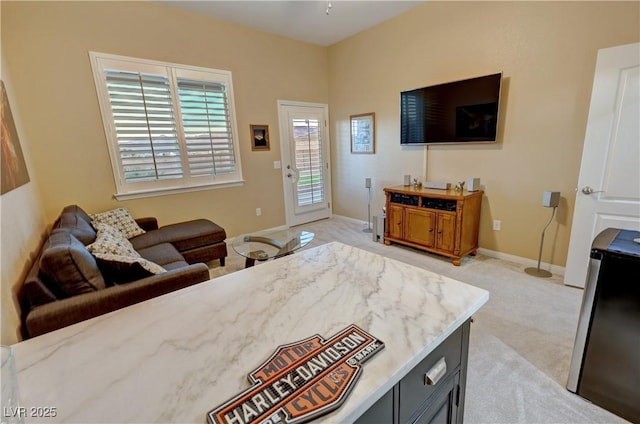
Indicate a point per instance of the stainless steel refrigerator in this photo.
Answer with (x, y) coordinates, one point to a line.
(605, 366)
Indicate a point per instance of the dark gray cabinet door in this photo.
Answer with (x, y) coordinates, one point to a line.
(442, 407)
(413, 401)
(382, 412)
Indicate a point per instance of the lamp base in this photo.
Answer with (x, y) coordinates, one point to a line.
(536, 272)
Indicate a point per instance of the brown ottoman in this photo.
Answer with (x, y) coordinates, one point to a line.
(199, 240)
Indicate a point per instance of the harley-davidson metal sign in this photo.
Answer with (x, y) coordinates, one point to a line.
(302, 380)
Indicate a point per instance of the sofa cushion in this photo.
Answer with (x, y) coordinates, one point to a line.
(77, 210)
(80, 228)
(121, 269)
(162, 254)
(117, 257)
(120, 219)
(68, 265)
(183, 235)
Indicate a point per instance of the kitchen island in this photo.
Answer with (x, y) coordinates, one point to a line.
(176, 357)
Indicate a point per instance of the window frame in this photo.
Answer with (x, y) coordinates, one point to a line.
(158, 187)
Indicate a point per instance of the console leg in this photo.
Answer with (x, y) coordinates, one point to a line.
(457, 261)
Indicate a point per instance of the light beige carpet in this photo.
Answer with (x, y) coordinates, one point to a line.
(521, 340)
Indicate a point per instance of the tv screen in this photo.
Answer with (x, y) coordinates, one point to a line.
(456, 112)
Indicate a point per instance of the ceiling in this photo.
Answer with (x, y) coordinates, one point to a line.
(303, 20)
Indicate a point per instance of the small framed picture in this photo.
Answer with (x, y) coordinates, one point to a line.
(259, 137)
(363, 133)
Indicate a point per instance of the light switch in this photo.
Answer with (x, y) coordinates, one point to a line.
(276, 164)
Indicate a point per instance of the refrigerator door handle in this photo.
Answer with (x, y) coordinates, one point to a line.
(584, 320)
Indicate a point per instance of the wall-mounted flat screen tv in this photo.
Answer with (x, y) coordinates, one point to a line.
(456, 112)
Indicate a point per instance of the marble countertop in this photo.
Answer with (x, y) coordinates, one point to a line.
(176, 357)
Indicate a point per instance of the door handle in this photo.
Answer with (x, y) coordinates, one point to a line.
(293, 173)
(436, 372)
(588, 190)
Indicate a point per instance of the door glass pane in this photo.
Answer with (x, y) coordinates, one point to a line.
(308, 159)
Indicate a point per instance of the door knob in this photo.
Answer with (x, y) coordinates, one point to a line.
(589, 190)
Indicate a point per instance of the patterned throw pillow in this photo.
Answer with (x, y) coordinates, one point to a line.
(111, 246)
(120, 219)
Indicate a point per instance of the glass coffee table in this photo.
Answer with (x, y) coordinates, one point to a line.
(270, 245)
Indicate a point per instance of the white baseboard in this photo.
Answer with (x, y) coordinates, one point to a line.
(555, 269)
(348, 218)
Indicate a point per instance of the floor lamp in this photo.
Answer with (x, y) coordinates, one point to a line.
(550, 199)
(367, 185)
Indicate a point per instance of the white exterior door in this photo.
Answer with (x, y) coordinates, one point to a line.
(304, 141)
(608, 193)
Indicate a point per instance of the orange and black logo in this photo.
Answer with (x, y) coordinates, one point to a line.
(301, 381)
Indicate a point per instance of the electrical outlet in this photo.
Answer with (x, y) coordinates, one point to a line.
(258, 211)
(497, 224)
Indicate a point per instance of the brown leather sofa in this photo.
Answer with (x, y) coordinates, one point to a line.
(67, 284)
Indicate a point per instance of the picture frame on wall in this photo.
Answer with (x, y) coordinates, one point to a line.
(259, 137)
(363, 133)
(14, 167)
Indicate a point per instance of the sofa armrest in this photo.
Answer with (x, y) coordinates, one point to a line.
(61, 313)
(147, 223)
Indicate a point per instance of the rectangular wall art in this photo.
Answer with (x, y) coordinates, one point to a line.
(14, 168)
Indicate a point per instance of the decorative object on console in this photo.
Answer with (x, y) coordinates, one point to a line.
(550, 199)
(259, 137)
(473, 184)
(363, 133)
(437, 185)
(407, 180)
(460, 186)
(367, 185)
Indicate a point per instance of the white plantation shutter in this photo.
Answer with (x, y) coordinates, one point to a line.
(144, 125)
(207, 127)
(169, 127)
(308, 152)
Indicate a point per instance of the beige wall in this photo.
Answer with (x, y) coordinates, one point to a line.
(21, 230)
(547, 53)
(47, 45)
(45, 48)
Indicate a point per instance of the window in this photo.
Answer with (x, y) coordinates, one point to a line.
(169, 127)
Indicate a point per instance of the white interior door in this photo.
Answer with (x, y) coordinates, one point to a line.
(608, 193)
(304, 141)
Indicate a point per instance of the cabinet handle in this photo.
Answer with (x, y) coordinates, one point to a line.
(431, 230)
(436, 372)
